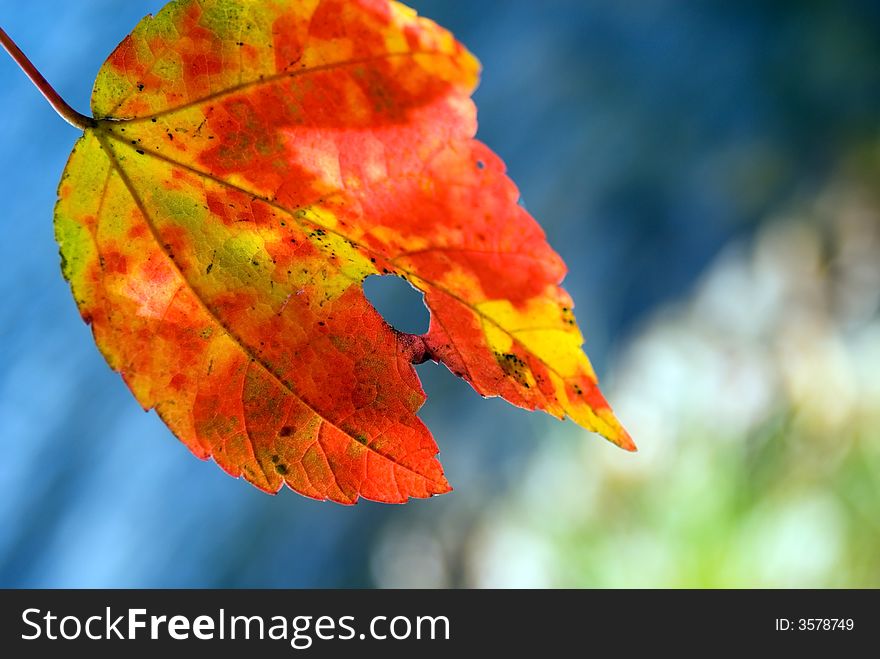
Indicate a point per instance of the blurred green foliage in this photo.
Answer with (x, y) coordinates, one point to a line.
(756, 402)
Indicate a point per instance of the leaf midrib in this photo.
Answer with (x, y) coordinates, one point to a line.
(101, 136)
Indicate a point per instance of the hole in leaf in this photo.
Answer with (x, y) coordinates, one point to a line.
(401, 305)
(481, 164)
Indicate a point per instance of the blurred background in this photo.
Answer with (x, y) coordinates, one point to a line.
(709, 172)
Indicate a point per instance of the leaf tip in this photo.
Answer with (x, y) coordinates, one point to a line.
(613, 431)
(624, 441)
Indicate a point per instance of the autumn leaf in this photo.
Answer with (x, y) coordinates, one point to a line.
(250, 164)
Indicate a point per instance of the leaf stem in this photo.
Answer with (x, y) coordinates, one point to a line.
(60, 106)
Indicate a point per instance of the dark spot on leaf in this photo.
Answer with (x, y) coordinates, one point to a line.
(281, 469)
(513, 367)
(286, 431)
(275, 459)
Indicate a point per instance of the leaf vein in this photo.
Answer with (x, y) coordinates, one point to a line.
(292, 214)
(268, 80)
(238, 341)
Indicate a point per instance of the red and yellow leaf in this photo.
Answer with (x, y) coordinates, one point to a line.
(251, 164)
